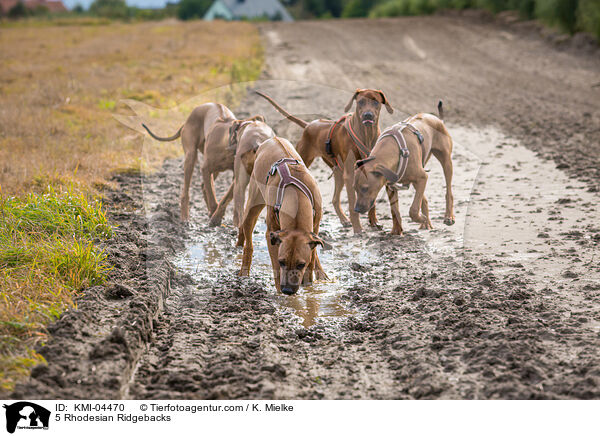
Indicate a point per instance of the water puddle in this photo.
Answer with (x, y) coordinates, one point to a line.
(206, 258)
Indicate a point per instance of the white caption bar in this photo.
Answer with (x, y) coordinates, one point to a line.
(285, 418)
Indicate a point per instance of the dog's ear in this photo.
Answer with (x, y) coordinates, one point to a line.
(385, 102)
(360, 163)
(349, 105)
(275, 237)
(390, 176)
(314, 240)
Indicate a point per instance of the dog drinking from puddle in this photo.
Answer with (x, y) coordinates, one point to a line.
(281, 182)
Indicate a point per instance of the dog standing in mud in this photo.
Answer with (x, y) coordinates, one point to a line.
(246, 138)
(341, 143)
(398, 159)
(207, 130)
(281, 182)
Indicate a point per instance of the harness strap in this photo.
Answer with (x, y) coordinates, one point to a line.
(287, 179)
(328, 148)
(396, 132)
(362, 148)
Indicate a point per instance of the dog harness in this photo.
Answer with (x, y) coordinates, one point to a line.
(287, 179)
(346, 120)
(396, 132)
(235, 127)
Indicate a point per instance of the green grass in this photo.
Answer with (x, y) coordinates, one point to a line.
(568, 15)
(47, 255)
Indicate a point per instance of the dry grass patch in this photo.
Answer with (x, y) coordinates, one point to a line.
(61, 85)
(60, 91)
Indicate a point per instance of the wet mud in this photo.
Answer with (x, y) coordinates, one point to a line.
(502, 305)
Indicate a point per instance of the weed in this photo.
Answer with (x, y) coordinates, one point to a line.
(47, 256)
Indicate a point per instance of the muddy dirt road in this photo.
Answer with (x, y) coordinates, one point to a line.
(504, 304)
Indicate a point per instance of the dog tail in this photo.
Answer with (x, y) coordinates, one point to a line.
(158, 138)
(282, 111)
(441, 110)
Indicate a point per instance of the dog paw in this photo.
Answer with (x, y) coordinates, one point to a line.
(376, 226)
(320, 275)
(215, 222)
(396, 232)
(346, 224)
(449, 221)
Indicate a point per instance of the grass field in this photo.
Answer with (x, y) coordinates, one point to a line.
(60, 88)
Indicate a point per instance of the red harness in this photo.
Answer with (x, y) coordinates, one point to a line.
(347, 120)
(286, 179)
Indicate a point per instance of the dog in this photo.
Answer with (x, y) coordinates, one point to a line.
(341, 143)
(281, 182)
(246, 139)
(398, 159)
(207, 130)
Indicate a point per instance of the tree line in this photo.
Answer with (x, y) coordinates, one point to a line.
(569, 15)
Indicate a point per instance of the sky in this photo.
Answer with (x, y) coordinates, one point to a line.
(140, 3)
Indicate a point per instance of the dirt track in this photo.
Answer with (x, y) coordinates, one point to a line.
(505, 304)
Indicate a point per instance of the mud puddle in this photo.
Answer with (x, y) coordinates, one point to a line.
(206, 258)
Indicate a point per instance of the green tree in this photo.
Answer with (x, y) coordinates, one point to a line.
(110, 9)
(334, 7)
(315, 7)
(560, 12)
(192, 9)
(358, 8)
(589, 16)
(18, 11)
(41, 10)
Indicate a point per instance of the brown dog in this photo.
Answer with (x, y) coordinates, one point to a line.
(398, 158)
(248, 136)
(281, 182)
(208, 130)
(341, 143)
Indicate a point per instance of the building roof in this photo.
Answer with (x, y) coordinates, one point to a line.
(6, 5)
(55, 5)
(51, 5)
(258, 8)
